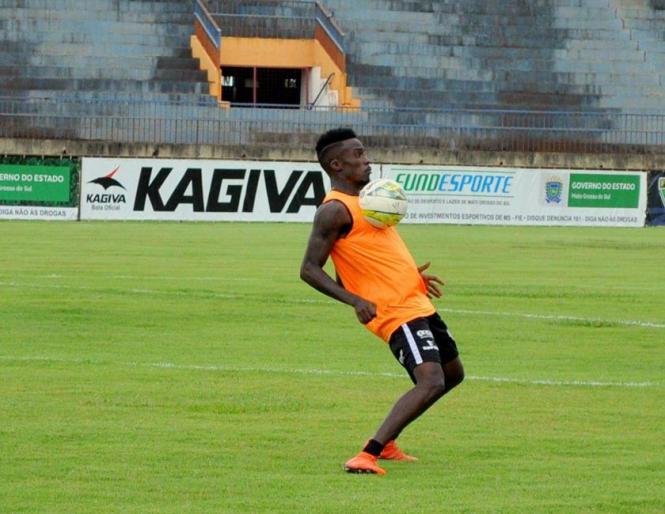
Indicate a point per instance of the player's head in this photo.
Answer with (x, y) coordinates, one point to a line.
(343, 157)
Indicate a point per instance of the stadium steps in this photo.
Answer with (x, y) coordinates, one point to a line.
(32, 28)
(138, 86)
(587, 65)
(522, 85)
(125, 73)
(87, 38)
(646, 27)
(140, 109)
(577, 53)
(100, 5)
(62, 51)
(518, 77)
(474, 6)
(581, 53)
(509, 35)
(95, 63)
(93, 97)
(531, 41)
(115, 16)
(469, 99)
(134, 48)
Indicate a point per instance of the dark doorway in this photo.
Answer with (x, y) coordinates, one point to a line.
(277, 86)
(238, 85)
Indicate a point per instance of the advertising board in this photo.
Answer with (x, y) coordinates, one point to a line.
(503, 196)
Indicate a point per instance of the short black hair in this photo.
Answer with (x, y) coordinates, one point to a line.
(331, 137)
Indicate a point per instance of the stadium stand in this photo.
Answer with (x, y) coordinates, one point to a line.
(450, 75)
(645, 21)
(555, 54)
(98, 49)
(65, 60)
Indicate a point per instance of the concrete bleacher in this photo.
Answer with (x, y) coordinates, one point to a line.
(543, 54)
(645, 22)
(122, 70)
(100, 50)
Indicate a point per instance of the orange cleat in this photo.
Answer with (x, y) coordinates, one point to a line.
(363, 463)
(392, 452)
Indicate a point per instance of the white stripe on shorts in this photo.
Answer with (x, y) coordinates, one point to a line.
(412, 344)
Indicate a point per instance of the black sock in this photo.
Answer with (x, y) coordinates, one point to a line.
(373, 447)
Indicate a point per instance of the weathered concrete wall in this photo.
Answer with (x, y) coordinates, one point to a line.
(46, 147)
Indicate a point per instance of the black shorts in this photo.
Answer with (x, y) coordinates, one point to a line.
(423, 340)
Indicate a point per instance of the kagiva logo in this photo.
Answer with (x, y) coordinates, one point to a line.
(106, 181)
(227, 187)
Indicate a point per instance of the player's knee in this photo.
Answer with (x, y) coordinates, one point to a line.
(456, 379)
(454, 376)
(431, 380)
(435, 388)
(439, 389)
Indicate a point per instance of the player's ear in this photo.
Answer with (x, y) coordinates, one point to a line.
(335, 165)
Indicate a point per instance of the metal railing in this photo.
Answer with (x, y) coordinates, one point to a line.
(291, 19)
(265, 26)
(303, 8)
(323, 88)
(327, 22)
(211, 28)
(289, 127)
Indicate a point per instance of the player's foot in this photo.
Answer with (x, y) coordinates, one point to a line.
(392, 452)
(363, 463)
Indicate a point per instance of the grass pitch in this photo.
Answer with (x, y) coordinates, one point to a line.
(165, 367)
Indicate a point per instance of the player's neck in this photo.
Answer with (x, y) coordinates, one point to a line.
(348, 189)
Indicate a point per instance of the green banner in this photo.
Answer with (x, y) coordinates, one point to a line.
(29, 183)
(604, 191)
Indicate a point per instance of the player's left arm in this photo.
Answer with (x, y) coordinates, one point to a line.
(432, 282)
(330, 221)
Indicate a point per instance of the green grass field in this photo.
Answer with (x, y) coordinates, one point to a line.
(165, 367)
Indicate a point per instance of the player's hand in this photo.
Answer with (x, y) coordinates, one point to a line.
(366, 311)
(431, 282)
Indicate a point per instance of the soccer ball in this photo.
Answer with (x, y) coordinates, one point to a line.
(383, 203)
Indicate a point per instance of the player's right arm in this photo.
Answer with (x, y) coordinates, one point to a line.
(331, 221)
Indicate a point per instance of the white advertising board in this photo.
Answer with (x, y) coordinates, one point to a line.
(503, 196)
(211, 190)
(31, 212)
(200, 190)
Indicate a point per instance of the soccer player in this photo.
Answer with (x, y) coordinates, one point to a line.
(390, 294)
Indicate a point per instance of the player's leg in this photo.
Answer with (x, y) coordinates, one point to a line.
(413, 345)
(430, 386)
(454, 373)
(451, 363)
(453, 370)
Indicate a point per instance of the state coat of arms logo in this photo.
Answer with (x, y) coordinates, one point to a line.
(553, 190)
